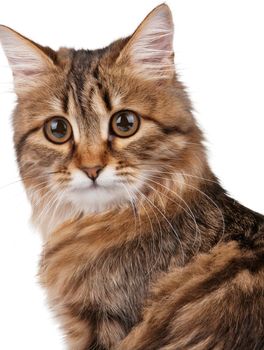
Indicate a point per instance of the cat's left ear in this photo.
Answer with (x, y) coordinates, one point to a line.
(27, 59)
(149, 52)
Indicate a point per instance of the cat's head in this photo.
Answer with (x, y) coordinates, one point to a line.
(98, 129)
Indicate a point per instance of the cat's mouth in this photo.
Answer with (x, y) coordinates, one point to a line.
(95, 197)
(87, 187)
(94, 186)
(100, 194)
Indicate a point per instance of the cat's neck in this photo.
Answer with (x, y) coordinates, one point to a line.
(177, 229)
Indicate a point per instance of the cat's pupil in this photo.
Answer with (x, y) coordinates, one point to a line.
(58, 128)
(125, 121)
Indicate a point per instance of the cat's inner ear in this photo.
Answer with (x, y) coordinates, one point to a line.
(26, 58)
(149, 51)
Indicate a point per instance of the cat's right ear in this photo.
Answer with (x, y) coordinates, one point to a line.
(27, 59)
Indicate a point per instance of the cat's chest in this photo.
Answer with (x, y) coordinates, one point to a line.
(118, 282)
(114, 284)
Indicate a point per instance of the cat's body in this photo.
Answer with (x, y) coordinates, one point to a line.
(143, 249)
(214, 300)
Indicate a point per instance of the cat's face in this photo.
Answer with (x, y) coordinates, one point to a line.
(98, 129)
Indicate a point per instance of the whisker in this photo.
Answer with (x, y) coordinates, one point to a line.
(21, 179)
(139, 221)
(189, 213)
(18, 182)
(57, 204)
(39, 186)
(153, 233)
(132, 204)
(49, 204)
(200, 191)
(41, 198)
(170, 190)
(10, 184)
(213, 202)
(169, 223)
(177, 173)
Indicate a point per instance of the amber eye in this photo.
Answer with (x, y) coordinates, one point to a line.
(125, 123)
(58, 130)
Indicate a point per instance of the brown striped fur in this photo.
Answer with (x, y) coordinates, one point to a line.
(180, 266)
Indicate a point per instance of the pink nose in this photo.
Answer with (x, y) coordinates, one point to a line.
(93, 172)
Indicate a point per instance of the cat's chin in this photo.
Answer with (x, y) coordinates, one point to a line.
(95, 198)
(79, 200)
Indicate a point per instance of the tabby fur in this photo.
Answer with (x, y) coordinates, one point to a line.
(172, 263)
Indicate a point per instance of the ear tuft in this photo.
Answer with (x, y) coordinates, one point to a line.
(24, 56)
(150, 49)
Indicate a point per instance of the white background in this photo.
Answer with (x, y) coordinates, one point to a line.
(220, 57)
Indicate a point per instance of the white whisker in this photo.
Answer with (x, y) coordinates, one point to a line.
(152, 230)
(188, 212)
(169, 223)
(195, 188)
(131, 200)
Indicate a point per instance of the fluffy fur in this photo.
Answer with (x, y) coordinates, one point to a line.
(157, 255)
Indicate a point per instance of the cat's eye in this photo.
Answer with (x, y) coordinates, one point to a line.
(58, 130)
(125, 123)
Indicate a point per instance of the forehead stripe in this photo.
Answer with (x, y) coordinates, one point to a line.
(65, 99)
(104, 92)
(106, 99)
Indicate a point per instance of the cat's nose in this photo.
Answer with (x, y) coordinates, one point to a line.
(93, 172)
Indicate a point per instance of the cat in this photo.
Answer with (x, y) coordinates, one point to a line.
(143, 248)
